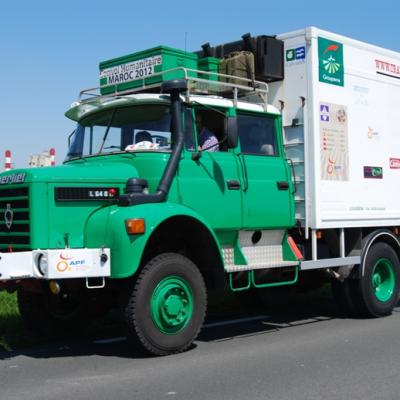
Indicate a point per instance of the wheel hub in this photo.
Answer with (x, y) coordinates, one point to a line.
(376, 280)
(383, 279)
(171, 305)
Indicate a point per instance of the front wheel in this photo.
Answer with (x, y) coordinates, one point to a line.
(166, 306)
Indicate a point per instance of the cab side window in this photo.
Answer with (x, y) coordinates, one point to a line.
(257, 135)
(205, 129)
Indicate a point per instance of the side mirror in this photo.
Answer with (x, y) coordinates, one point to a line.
(231, 132)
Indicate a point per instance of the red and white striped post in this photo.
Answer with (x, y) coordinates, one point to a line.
(52, 156)
(7, 165)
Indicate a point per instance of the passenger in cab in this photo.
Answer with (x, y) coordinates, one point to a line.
(206, 138)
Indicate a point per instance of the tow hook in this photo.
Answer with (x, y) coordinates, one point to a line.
(55, 288)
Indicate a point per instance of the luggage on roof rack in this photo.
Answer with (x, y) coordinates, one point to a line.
(268, 54)
(239, 64)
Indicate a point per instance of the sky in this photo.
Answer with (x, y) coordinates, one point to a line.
(50, 50)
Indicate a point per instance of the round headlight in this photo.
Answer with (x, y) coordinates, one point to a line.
(43, 264)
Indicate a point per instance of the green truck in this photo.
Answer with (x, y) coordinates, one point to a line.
(140, 216)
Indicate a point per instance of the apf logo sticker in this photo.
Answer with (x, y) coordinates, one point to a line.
(331, 66)
(67, 263)
(63, 264)
(330, 168)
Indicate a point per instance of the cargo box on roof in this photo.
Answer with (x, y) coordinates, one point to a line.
(209, 64)
(145, 67)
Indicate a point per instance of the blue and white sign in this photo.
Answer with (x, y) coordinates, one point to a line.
(297, 54)
(324, 112)
(300, 53)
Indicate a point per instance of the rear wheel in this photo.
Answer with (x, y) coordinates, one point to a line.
(377, 292)
(165, 308)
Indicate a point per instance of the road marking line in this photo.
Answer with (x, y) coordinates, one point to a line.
(112, 340)
(235, 321)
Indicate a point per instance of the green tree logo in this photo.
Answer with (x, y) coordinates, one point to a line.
(330, 62)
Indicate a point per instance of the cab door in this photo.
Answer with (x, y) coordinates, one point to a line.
(268, 193)
(209, 182)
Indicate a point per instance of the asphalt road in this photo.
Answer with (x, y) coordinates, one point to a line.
(312, 354)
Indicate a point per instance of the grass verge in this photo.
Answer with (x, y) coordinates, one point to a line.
(12, 331)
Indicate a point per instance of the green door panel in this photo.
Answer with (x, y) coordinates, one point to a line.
(203, 187)
(268, 201)
(264, 204)
(106, 227)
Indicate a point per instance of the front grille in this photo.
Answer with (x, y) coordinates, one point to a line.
(14, 219)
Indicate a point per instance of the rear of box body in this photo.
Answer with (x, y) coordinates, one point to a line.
(340, 102)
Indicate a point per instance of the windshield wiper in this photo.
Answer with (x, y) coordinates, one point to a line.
(107, 130)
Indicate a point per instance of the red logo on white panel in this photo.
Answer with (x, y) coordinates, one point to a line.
(394, 163)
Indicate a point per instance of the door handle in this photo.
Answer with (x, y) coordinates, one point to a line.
(233, 184)
(283, 185)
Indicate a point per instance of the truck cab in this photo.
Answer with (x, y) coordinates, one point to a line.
(136, 185)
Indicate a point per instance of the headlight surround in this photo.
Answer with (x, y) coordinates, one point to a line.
(43, 264)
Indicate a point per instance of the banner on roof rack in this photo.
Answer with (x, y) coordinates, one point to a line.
(130, 71)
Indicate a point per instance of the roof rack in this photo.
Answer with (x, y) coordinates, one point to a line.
(226, 86)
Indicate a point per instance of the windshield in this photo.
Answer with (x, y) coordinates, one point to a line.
(135, 128)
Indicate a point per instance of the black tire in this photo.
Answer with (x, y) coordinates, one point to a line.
(364, 295)
(147, 322)
(49, 315)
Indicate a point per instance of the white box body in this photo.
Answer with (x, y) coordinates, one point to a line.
(342, 133)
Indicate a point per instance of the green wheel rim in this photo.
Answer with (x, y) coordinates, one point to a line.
(383, 279)
(171, 305)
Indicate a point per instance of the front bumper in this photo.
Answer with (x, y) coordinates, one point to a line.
(55, 264)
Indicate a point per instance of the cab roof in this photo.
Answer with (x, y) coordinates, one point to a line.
(79, 110)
